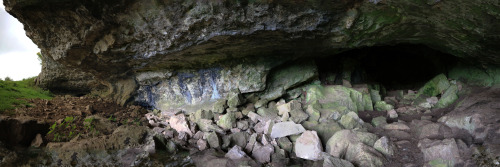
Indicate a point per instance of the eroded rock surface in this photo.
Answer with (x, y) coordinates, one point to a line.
(197, 50)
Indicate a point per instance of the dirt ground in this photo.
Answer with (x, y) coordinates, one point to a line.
(59, 108)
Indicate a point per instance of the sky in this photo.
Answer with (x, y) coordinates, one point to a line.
(18, 59)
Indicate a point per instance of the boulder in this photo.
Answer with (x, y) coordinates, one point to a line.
(242, 125)
(219, 106)
(285, 144)
(375, 96)
(470, 122)
(266, 114)
(385, 146)
(227, 121)
(446, 150)
(206, 125)
(215, 158)
(202, 144)
(308, 146)
(313, 112)
(324, 130)
(399, 134)
(254, 117)
(432, 100)
(292, 111)
(288, 77)
(249, 108)
(251, 142)
(391, 100)
(362, 155)
(334, 98)
(433, 131)
(198, 135)
(379, 121)
(330, 161)
(262, 153)
(396, 126)
(408, 110)
(297, 114)
(236, 153)
(268, 127)
(283, 129)
(279, 158)
(239, 139)
(449, 96)
(382, 106)
(213, 140)
(203, 114)
(392, 114)
(351, 121)
(341, 141)
(179, 123)
(435, 86)
(234, 99)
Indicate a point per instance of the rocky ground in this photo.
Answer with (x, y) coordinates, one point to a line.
(444, 123)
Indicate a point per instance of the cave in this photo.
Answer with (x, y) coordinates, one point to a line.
(402, 66)
(260, 83)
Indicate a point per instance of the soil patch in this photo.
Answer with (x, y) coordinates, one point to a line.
(59, 109)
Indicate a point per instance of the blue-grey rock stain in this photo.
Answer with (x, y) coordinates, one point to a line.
(148, 99)
(182, 85)
(212, 78)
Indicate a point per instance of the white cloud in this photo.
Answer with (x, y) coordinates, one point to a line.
(19, 65)
(18, 59)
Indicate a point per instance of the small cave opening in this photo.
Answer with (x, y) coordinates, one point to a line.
(397, 67)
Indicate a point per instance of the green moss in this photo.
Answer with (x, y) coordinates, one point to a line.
(476, 76)
(382, 106)
(368, 103)
(227, 121)
(14, 93)
(448, 97)
(436, 86)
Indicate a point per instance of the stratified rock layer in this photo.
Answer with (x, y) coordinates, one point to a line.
(120, 46)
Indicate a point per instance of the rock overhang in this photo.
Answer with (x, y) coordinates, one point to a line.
(108, 41)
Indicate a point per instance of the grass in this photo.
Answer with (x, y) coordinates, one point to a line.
(13, 94)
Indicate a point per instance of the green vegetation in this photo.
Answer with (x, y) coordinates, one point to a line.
(112, 119)
(40, 58)
(61, 132)
(14, 93)
(89, 126)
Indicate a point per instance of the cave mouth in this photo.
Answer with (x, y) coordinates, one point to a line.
(403, 66)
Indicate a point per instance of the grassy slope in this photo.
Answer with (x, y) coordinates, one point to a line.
(13, 93)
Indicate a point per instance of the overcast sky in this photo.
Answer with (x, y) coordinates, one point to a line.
(18, 58)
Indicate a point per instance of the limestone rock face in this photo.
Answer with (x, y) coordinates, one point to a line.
(179, 53)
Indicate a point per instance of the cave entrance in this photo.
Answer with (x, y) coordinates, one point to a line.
(404, 66)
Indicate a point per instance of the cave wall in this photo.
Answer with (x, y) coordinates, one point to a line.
(175, 52)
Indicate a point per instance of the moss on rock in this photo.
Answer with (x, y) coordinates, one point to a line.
(435, 86)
